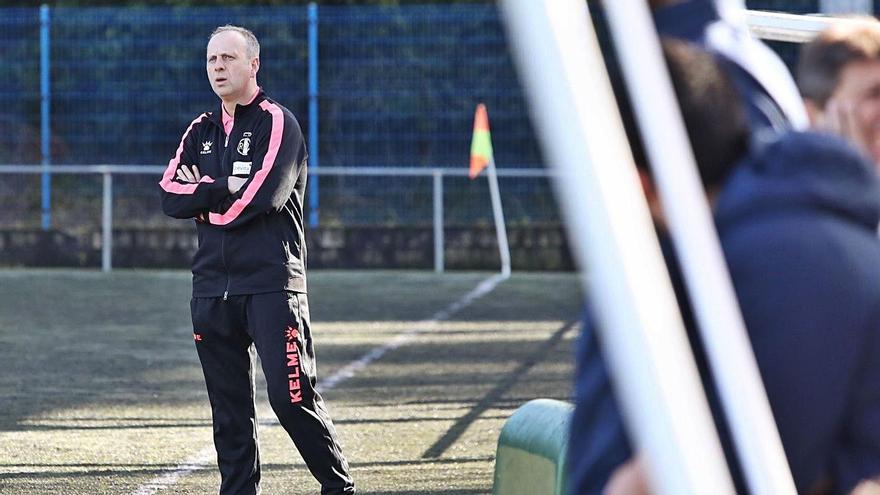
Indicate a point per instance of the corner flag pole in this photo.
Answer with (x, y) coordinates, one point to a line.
(482, 156)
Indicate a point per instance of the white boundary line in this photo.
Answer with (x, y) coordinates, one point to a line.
(205, 457)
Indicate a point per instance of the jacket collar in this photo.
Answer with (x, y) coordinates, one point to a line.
(240, 110)
(686, 20)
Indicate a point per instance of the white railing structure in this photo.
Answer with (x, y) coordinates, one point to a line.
(793, 28)
(107, 171)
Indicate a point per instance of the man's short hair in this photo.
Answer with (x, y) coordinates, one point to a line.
(712, 109)
(252, 45)
(823, 59)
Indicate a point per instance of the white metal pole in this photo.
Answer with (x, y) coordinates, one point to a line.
(438, 221)
(500, 227)
(107, 224)
(690, 222)
(731, 10)
(607, 219)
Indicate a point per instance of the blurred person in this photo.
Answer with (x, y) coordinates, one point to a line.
(240, 172)
(839, 77)
(797, 222)
(769, 92)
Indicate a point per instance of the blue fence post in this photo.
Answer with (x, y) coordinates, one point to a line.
(45, 100)
(314, 145)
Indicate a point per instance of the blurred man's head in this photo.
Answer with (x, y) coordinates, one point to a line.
(839, 78)
(712, 109)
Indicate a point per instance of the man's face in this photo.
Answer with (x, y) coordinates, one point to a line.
(859, 85)
(229, 67)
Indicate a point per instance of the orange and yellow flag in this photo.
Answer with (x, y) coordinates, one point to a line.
(481, 143)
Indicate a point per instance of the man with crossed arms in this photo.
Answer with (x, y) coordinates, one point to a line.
(240, 172)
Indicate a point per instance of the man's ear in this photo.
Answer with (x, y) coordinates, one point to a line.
(255, 67)
(815, 112)
(647, 184)
(651, 196)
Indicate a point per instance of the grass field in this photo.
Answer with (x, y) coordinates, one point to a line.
(101, 391)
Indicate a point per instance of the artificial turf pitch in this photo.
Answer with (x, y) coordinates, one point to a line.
(101, 391)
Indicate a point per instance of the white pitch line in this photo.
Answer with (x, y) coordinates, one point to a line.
(357, 365)
(197, 461)
(201, 459)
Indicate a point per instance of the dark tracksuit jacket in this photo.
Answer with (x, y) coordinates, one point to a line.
(253, 241)
(249, 287)
(798, 227)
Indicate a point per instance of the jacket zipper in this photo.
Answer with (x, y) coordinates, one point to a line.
(223, 232)
(223, 258)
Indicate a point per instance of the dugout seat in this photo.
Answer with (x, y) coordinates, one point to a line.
(532, 447)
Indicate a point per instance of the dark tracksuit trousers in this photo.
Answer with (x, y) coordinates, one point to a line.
(277, 323)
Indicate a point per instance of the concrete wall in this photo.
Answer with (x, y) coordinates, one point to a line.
(532, 248)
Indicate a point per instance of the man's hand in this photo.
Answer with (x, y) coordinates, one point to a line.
(186, 174)
(841, 117)
(867, 487)
(629, 478)
(235, 183)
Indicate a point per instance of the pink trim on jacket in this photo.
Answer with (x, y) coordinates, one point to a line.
(268, 162)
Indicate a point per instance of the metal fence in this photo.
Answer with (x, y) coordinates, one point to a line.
(389, 87)
(105, 207)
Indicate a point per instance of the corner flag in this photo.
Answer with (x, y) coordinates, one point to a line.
(481, 142)
(481, 157)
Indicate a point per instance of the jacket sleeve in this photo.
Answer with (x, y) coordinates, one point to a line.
(188, 200)
(278, 160)
(598, 440)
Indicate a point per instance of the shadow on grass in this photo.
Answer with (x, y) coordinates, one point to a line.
(77, 338)
(504, 385)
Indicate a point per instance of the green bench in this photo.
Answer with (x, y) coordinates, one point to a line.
(532, 448)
